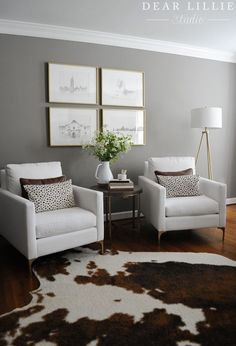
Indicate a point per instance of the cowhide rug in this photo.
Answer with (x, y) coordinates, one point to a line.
(125, 298)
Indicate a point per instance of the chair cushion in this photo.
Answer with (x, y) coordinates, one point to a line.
(51, 196)
(175, 163)
(191, 206)
(51, 223)
(3, 179)
(39, 170)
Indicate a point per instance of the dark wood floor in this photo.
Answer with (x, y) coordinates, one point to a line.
(16, 281)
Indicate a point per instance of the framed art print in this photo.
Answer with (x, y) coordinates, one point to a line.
(72, 126)
(72, 84)
(127, 122)
(122, 88)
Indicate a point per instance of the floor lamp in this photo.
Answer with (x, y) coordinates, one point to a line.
(206, 118)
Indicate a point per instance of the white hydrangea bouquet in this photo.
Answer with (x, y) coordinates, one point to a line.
(107, 145)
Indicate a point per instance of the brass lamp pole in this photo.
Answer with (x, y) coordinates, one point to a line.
(206, 118)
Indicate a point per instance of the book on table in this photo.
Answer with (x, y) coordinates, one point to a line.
(117, 184)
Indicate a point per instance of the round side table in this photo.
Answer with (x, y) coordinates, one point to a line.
(109, 194)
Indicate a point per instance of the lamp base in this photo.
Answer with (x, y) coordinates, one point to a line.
(209, 161)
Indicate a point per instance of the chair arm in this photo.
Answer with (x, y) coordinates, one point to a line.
(153, 202)
(216, 191)
(213, 189)
(18, 223)
(93, 201)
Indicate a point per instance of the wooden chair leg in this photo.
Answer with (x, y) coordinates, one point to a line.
(101, 242)
(223, 230)
(159, 236)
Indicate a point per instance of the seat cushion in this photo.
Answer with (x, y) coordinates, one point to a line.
(191, 206)
(51, 223)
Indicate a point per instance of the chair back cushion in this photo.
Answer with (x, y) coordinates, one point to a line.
(41, 170)
(168, 164)
(145, 169)
(3, 179)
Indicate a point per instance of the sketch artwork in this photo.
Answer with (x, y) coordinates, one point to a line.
(126, 122)
(72, 88)
(72, 84)
(122, 88)
(72, 126)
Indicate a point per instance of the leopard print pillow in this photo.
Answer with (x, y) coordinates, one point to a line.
(180, 186)
(51, 196)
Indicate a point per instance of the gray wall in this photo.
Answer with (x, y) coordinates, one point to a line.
(174, 85)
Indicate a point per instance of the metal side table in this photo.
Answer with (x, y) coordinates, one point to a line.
(109, 194)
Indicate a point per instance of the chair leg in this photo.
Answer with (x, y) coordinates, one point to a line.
(101, 242)
(223, 230)
(159, 236)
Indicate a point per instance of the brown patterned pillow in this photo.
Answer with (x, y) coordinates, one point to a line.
(188, 171)
(25, 181)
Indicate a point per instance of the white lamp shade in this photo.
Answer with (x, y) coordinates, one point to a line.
(207, 117)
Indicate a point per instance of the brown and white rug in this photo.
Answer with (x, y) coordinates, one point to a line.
(138, 298)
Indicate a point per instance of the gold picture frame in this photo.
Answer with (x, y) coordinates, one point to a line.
(126, 121)
(72, 126)
(123, 88)
(77, 84)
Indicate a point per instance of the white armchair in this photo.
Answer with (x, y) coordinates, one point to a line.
(179, 213)
(39, 234)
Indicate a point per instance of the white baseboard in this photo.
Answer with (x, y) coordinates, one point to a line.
(231, 201)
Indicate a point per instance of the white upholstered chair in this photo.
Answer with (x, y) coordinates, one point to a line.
(39, 234)
(179, 213)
